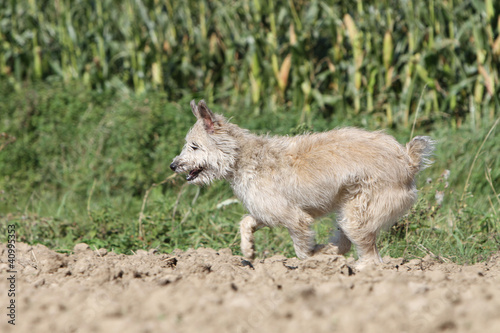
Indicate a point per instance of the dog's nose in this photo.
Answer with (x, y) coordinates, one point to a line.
(173, 166)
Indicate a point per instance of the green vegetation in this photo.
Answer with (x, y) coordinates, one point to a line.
(343, 57)
(94, 105)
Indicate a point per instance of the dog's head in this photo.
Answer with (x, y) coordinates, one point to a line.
(210, 150)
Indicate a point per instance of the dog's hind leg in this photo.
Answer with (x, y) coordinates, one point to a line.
(338, 244)
(355, 224)
(365, 242)
(370, 212)
(247, 227)
(340, 241)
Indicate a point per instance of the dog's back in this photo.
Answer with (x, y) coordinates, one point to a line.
(349, 152)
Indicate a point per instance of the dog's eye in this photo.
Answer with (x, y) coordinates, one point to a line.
(194, 146)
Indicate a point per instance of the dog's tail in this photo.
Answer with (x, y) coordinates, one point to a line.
(420, 150)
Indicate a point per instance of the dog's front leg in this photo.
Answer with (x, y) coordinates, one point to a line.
(304, 241)
(247, 227)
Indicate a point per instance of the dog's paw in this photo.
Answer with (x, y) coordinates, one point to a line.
(368, 264)
(248, 252)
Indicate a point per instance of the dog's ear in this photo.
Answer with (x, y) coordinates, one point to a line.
(207, 116)
(194, 108)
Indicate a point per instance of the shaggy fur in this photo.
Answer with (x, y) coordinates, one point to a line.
(366, 178)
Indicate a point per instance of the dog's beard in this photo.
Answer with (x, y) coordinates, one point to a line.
(193, 174)
(205, 176)
(203, 171)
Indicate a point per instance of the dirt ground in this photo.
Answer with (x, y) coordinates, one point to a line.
(205, 290)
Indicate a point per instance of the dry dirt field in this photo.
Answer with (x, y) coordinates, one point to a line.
(205, 290)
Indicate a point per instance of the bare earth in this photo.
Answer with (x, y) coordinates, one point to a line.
(205, 290)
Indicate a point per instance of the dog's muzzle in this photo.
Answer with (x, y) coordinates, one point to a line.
(173, 166)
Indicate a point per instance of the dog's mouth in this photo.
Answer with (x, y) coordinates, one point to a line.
(193, 174)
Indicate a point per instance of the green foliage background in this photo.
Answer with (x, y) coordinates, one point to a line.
(94, 105)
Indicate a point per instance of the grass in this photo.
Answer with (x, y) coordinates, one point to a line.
(82, 163)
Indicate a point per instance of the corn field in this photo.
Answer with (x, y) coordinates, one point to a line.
(387, 58)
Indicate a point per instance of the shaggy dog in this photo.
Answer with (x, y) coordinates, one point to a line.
(366, 178)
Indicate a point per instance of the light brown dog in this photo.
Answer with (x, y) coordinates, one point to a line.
(366, 178)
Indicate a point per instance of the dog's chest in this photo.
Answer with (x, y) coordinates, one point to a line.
(243, 184)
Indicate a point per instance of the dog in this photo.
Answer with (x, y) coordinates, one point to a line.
(366, 178)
